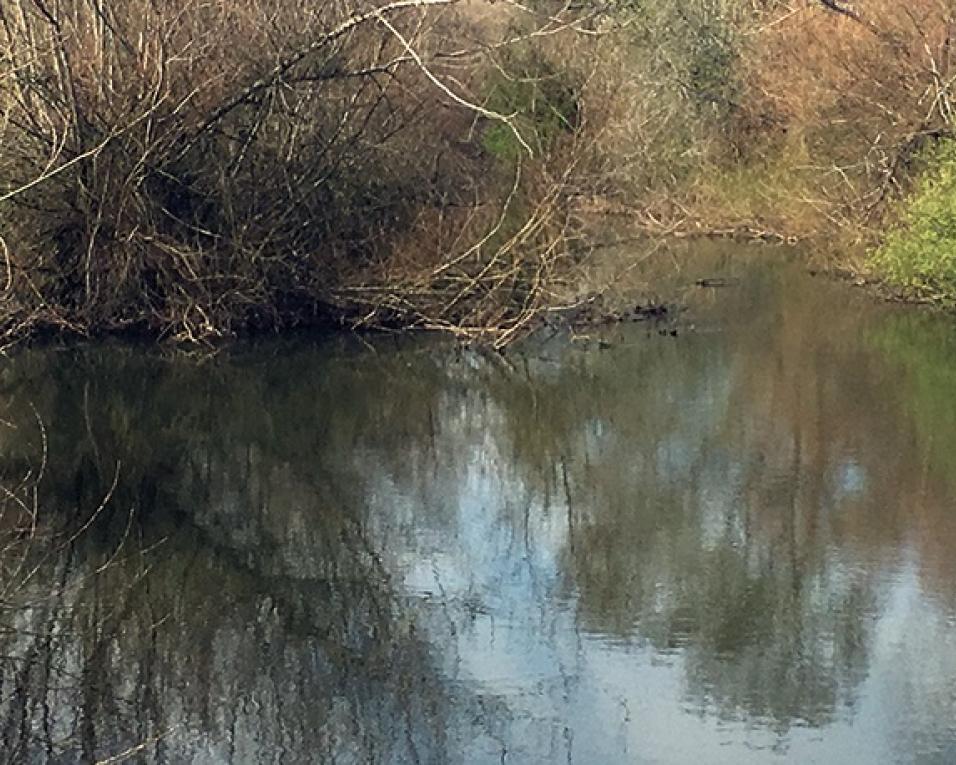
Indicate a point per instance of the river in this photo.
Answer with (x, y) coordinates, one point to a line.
(726, 539)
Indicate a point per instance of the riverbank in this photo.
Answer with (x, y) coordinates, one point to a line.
(432, 164)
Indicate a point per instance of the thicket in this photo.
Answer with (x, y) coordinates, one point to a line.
(784, 120)
(814, 112)
(195, 169)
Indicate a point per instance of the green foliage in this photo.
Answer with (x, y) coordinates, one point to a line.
(544, 104)
(919, 254)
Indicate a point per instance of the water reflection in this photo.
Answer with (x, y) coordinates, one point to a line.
(732, 545)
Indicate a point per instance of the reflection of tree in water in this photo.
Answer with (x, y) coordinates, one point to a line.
(219, 660)
(733, 500)
(919, 352)
(262, 621)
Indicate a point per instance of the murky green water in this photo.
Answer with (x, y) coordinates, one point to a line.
(736, 545)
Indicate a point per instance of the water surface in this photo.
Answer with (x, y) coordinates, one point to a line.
(733, 545)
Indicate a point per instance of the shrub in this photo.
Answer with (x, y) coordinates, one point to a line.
(918, 254)
(197, 169)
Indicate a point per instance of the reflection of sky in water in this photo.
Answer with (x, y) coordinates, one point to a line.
(484, 562)
(850, 479)
(605, 700)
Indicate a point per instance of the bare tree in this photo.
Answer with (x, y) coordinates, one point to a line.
(197, 170)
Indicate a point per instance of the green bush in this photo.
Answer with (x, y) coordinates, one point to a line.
(918, 255)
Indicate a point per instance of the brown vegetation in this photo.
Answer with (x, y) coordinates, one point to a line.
(775, 120)
(195, 169)
(861, 94)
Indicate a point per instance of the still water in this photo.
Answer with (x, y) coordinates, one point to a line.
(736, 545)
